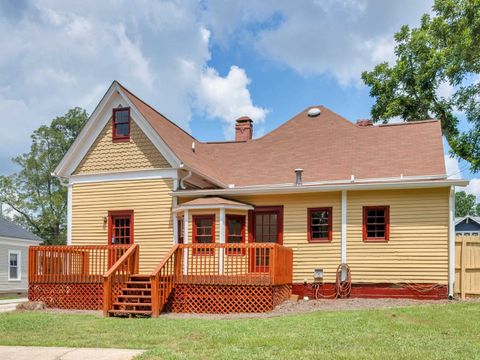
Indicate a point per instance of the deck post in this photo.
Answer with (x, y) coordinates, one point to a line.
(155, 296)
(107, 299)
(222, 241)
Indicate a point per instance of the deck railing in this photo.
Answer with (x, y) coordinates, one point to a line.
(162, 280)
(235, 264)
(220, 264)
(118, 275)
(72, 264)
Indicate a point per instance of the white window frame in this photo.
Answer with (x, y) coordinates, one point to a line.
(19, 265)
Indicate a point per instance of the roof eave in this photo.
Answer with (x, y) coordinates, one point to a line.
(292, 189)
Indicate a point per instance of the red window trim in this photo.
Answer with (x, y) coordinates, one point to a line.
(387, 224)
(114, 130)
(231, 252)
(251, 221)
(180, 230)
(309, 229)
(111, 214)
(194, 232)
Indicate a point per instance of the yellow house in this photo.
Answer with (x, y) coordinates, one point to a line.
(225, 226)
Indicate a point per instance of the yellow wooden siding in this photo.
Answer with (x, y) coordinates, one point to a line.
(106, 156)
(151, 203)
(306, 256)
(418, 247)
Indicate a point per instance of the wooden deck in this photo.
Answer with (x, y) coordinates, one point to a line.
(85, 277)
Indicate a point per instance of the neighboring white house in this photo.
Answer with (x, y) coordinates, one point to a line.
(14, 243)
(467, 225)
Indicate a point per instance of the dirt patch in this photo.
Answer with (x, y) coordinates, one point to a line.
(31, 306)
(98, 313)
(300, 307)
(294, 308)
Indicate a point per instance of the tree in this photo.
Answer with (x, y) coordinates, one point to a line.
(443, 51)
(38, 199)
(464, 204)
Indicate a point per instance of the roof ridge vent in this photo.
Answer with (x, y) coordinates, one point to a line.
(314, 112)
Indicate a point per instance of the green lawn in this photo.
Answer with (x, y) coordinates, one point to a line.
(426, 332)
(9, 297)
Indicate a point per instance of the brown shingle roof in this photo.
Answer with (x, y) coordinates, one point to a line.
(327, 147)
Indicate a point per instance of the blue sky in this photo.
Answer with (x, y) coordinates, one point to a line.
(201, 63)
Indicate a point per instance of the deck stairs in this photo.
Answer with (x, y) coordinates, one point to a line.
(135, 299)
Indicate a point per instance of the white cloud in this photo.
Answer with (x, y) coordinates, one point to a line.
(474, 188)
(453, 168)
(227, 98)
(336, 38)
(57, 55)
(445, 90)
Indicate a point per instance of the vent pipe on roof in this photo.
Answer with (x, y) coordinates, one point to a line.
(298, 177)
(313, 112)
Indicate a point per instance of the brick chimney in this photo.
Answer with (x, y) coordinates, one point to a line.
(243, 129)
(364, 122)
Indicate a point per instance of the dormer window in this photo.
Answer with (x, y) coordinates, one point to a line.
(121, 124)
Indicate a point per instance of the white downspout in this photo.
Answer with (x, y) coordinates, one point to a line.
(182, 185)
(344, 231)
(451, 244)
(174, 214)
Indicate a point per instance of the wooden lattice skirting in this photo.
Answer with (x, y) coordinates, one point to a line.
(82, 296)
(188, 298)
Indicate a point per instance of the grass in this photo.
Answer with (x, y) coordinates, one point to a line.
(424, 332)
(10, 297)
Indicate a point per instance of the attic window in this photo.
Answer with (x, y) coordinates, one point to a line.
(121, 125)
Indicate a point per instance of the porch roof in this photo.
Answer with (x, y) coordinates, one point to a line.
(214, 202)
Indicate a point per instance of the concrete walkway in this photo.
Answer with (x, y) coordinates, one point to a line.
(10, 304)
(61, 353)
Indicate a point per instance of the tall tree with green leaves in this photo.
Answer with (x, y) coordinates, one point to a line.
(443, 51)
(464, 204)
(38, 199)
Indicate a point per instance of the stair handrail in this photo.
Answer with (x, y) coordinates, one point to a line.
(129, 259)
(169, 281)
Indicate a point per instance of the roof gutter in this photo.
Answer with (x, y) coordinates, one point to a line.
(215, 182)
(292, 188)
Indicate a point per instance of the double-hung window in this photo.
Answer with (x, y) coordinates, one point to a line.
(121, 125)
(376, 223)
(235, 230)
(203, 233)
(320, 224)
(14, 267)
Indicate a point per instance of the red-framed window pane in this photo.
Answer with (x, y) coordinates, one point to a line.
(121, 124)
(320, 224)
(376, 223)
(203, 233)
(120, 231)
(235, 231)
(180, 231)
